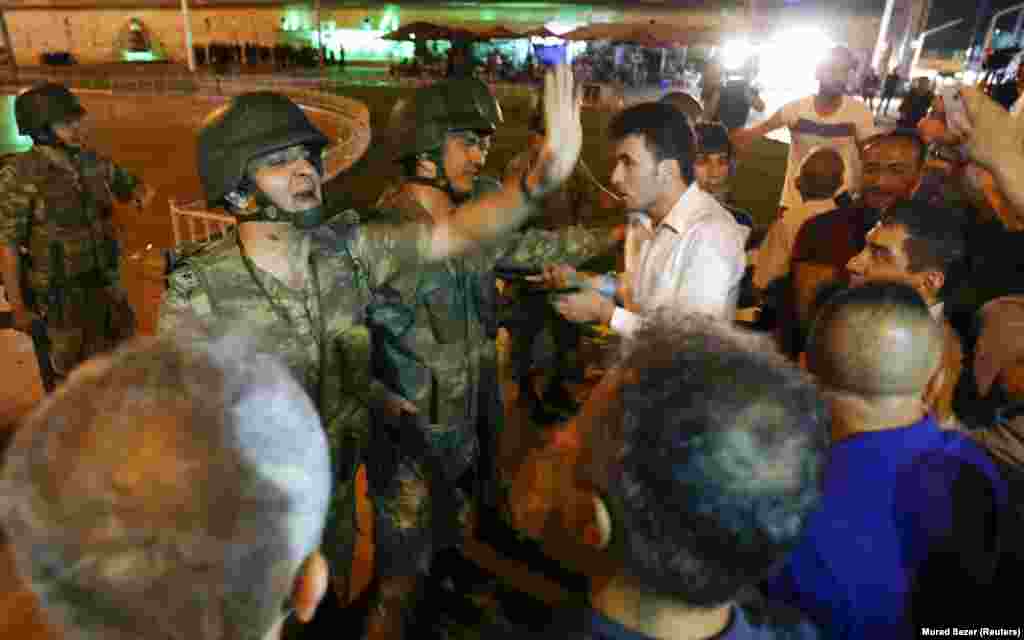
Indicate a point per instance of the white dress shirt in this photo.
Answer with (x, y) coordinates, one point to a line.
(692, 262)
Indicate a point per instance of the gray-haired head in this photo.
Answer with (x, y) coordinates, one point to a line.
(722, 444)
(170, 490)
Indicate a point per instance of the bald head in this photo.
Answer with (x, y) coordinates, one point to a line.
(171, 490)
(875, 340)
(821, 175)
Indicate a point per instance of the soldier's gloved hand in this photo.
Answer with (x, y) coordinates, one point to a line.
(564, 138)
(22, 318)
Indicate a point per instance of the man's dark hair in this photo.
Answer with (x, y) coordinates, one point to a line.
(712, 137)
(935, 235)
(666, 131)
(722, 446)
(910, 135)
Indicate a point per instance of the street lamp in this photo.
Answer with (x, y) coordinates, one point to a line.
(191, 56)
(992, 24)
(920, 39)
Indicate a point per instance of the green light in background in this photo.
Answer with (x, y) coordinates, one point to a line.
(360, 44)
(294, 19)
(11, 141)
(138, 56)
(389, 19)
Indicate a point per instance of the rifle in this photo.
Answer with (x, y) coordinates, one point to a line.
(41, 345)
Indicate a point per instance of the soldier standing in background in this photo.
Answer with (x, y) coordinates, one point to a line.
(58, 248)
(439, 350)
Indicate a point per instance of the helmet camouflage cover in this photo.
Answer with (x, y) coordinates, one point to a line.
(45, 105)
(251, 125)
(419, 125)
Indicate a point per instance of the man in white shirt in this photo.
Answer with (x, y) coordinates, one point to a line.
(826, 119)
(684, 252)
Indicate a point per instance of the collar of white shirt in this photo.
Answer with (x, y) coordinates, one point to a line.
(691, 205)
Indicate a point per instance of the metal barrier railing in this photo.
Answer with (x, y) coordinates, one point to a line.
(193, 223)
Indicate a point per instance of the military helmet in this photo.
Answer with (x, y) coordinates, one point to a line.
(420, 125)
(45, 105)
(251, 125)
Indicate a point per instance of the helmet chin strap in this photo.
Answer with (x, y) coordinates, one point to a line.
(440, 181)
(257, 207)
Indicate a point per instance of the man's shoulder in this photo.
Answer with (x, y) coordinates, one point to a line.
(715, 218)
(22, 168)
(815, 234)
(219, 255)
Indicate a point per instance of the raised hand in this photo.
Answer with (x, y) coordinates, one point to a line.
(564, 137)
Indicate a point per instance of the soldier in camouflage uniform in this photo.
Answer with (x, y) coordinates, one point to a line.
(316, 286)
(449, 307)
(527, 315)
(59, 251)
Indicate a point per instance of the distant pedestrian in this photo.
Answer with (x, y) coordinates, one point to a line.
(893, 81)
(869, 88)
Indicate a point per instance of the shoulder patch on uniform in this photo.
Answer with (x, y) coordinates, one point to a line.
(183, 279)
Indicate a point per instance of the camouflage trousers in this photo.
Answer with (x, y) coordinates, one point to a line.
(86, 323)
(416, 474)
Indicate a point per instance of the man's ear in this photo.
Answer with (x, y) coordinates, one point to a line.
(668, 169)
(598, 532)
(934, 280)
(310, 586)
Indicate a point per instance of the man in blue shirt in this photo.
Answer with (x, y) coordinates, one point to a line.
(717, 465)
(910, 512)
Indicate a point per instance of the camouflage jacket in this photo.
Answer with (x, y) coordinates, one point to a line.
(58, 208)
(448, 335)
(319, 331)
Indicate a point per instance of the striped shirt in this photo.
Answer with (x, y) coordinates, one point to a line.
(851, 123)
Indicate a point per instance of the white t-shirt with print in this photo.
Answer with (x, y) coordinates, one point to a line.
(851, 123)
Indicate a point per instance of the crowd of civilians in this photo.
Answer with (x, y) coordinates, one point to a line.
(843, 459)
